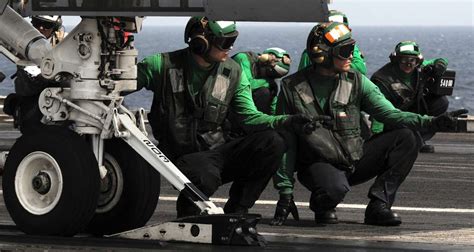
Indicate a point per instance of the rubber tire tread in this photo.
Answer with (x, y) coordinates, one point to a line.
(80, 182)
(141, 190)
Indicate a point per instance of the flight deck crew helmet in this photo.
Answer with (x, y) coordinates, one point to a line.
(276, 61)
(337, 16)
(47, 22)
(201, 33)
(329, 40)
(406, 52)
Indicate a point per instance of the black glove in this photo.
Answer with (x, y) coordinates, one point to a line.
(300, 123)
(2, 76)
(447, 121)
(325, 120)
(284, 207)
(439, 67)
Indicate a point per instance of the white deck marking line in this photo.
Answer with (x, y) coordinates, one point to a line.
(349, 206)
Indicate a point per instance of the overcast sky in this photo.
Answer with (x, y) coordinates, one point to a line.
(380, 13)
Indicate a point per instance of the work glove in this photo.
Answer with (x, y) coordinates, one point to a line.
(285, 206)
(439, 67)
(300, 124)
(324, 120)
(447, 121)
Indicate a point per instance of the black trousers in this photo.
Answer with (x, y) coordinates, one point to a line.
(388, 156)
(249, 162)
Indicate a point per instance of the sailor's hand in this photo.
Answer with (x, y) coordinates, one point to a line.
(284, 207)
(447, 121)
(439, 67)
(300, 124)
(325, 120)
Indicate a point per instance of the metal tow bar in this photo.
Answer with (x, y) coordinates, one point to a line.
(213, 226)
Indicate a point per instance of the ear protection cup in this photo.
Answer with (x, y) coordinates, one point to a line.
(263, 58)
(421, 58)
(199, 44)
(195, 36)
(317, 51)
(393, 57)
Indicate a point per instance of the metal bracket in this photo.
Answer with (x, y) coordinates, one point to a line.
(223, 229)
(116, 123)
(140, 116)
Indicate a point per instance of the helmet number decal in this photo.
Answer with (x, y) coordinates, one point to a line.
(337, 32)
(224, 24)
(336, 18)
(407, 48)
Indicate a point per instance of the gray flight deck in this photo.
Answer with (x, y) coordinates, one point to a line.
(436, 203)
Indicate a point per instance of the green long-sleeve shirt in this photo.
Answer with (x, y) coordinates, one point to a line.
(372, 101)
(243, 60)
(357, 63)
(150, 77)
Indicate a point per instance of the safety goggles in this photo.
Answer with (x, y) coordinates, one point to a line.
(345, 50)
(408, 60)
(224, 43)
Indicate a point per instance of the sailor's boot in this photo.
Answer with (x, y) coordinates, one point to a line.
(379, 213)
(325, 216)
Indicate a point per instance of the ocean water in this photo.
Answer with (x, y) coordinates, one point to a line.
(454, 43)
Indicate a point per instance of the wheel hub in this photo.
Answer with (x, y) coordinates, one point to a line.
(111, 186)
(38, 183)
(42, 183)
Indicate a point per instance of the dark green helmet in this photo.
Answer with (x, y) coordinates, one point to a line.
(277, 60)
(406, 49)
(328, 40)
(200, 33)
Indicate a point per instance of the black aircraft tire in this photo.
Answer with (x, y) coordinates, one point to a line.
(136, 202)
(66, 196)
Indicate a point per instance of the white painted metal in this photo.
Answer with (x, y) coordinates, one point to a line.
(22, 38)
(142, 145)
(171, 231)
(33, 164)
